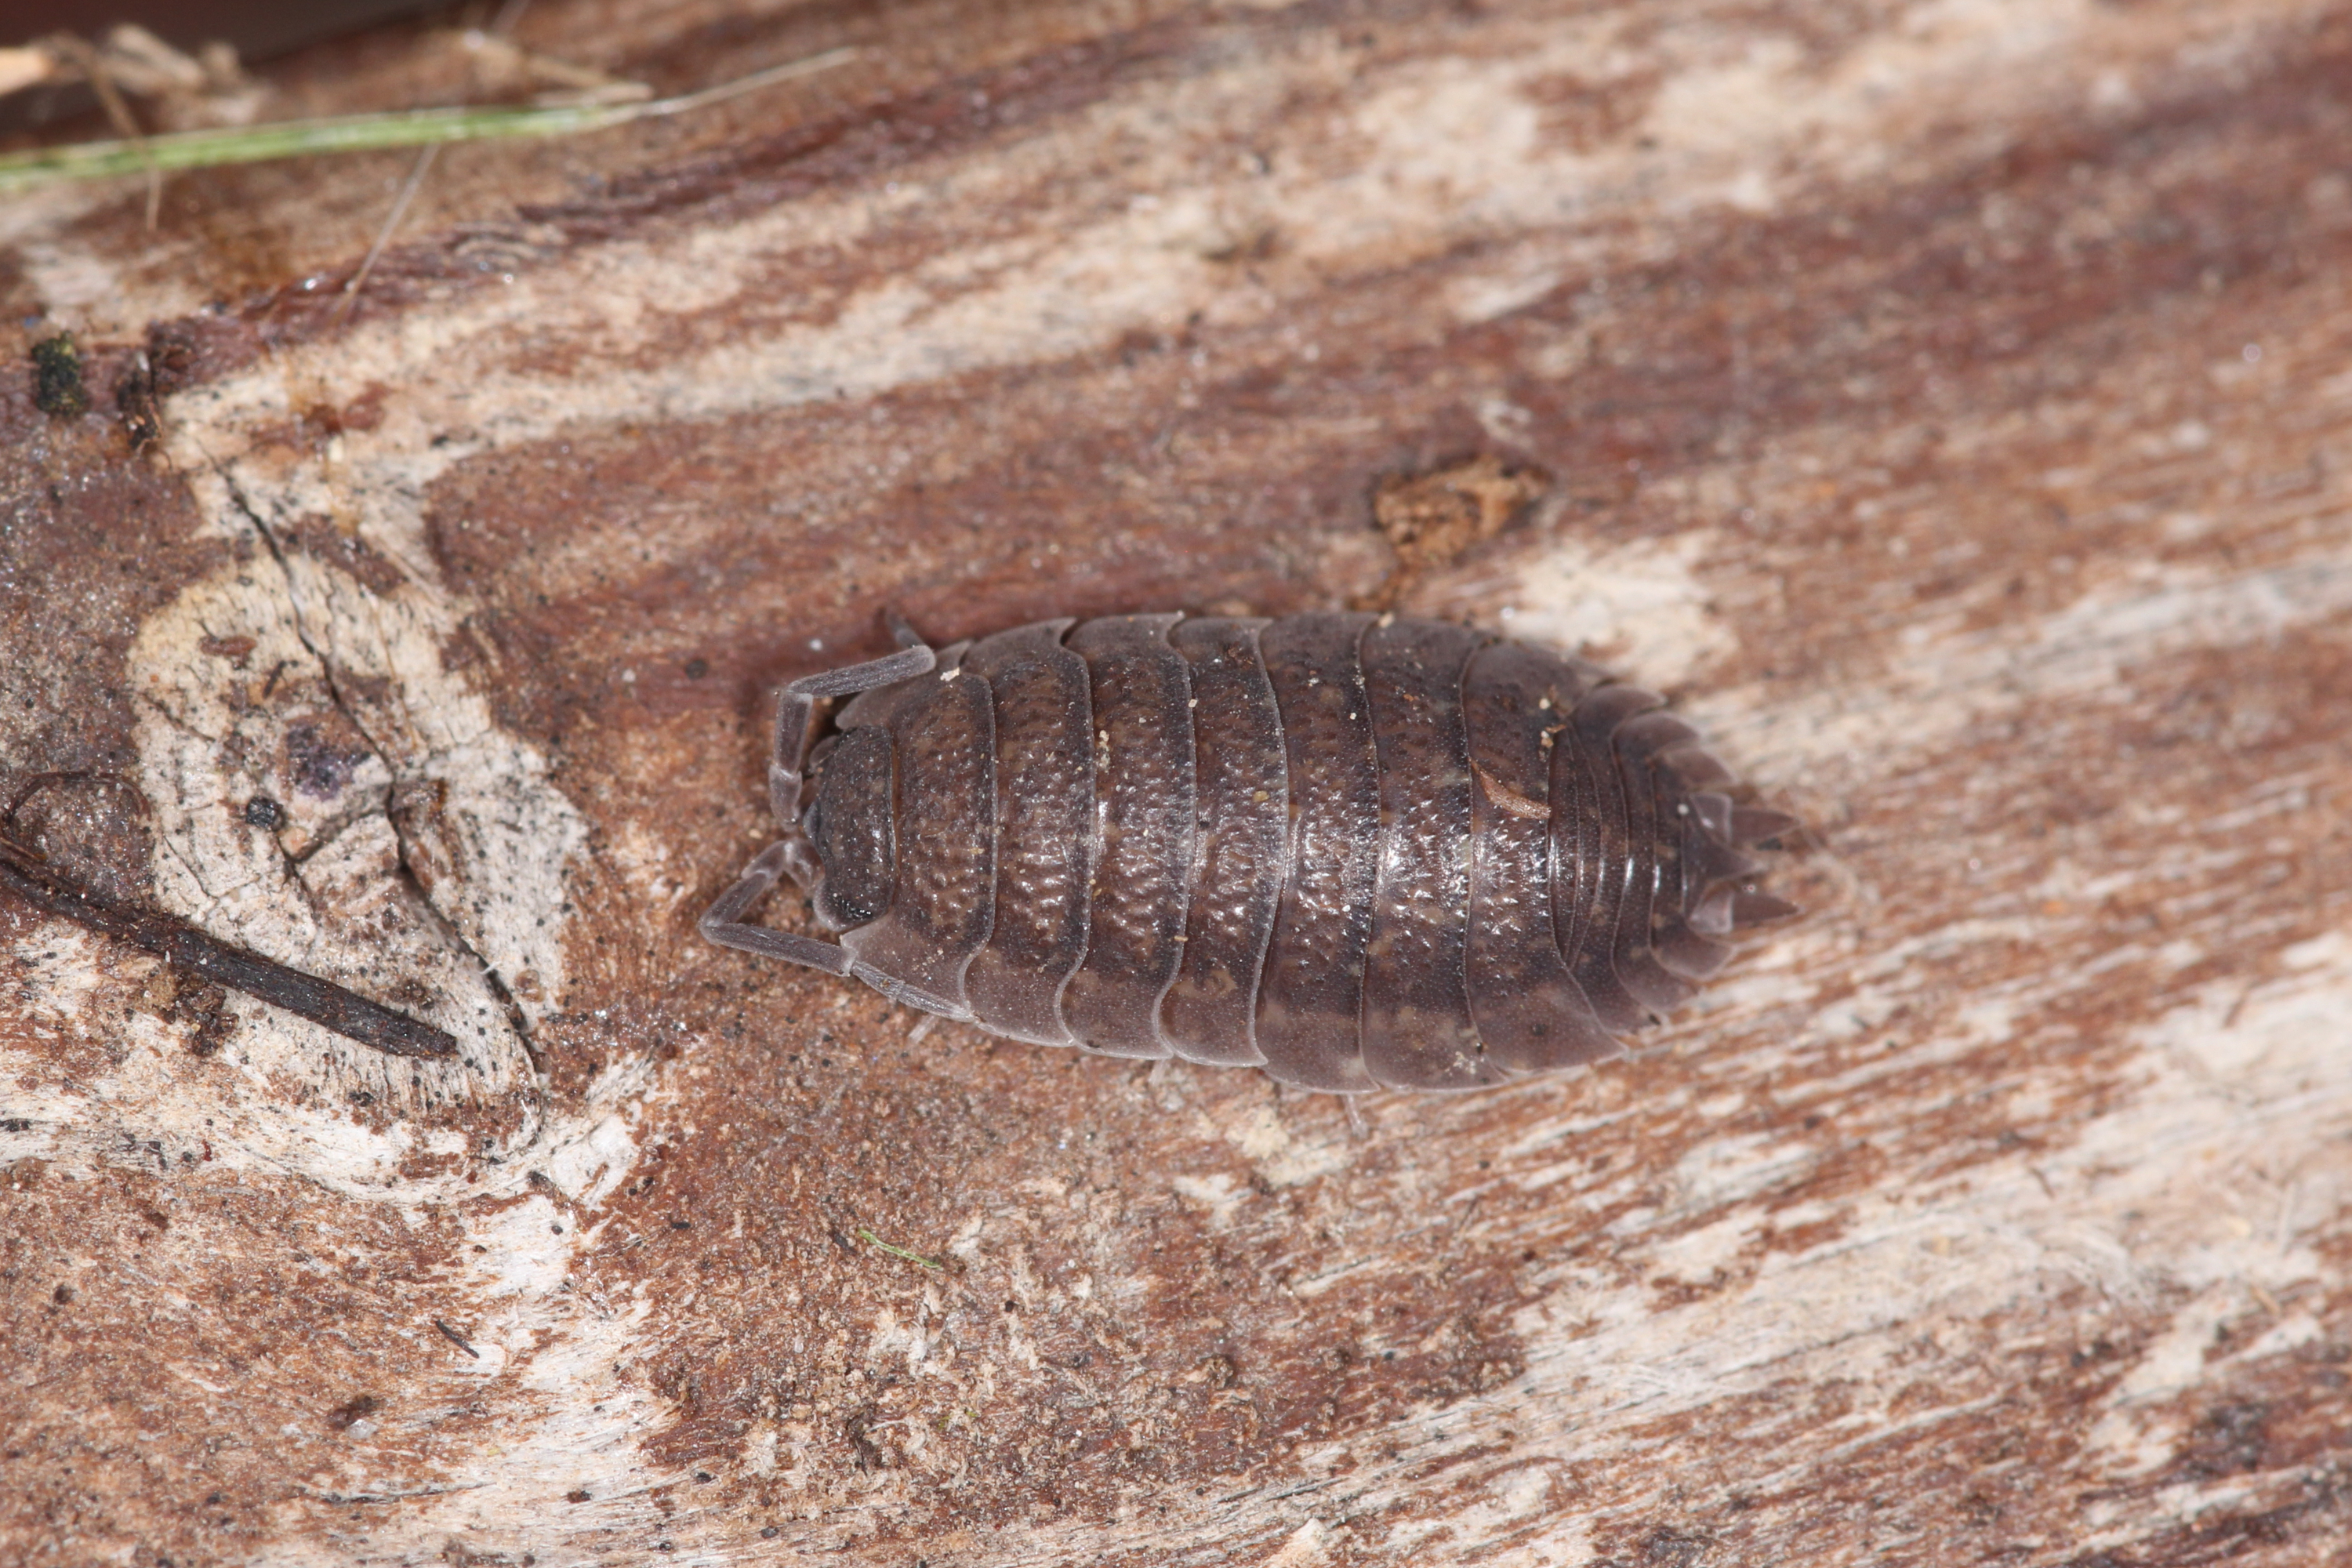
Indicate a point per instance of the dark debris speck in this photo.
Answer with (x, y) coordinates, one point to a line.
(56, 377)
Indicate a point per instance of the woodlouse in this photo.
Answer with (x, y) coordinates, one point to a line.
(1360, 852)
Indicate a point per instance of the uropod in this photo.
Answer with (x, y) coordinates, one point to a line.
(1360, 852)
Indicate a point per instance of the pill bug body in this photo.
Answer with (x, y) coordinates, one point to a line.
(1357, 852)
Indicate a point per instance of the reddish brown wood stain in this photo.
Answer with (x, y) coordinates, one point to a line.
(1963, 395)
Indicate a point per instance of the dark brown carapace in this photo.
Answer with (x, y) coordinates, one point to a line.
(1359, 852)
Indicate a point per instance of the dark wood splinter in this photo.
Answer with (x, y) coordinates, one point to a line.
(323, 1002)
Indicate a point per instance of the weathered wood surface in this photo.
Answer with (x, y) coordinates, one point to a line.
(1948, 404)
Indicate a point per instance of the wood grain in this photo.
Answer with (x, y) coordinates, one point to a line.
(1946, 405)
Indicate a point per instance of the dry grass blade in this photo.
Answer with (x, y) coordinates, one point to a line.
(363, 132)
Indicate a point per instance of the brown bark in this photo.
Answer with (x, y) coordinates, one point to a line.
(1945, 406)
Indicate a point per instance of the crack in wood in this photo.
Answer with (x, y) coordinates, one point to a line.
(402, 835)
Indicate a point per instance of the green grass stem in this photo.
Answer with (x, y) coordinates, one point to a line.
(365, 132)
(867, 1236)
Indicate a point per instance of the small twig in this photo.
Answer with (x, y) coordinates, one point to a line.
(362, 133)
(455, 1338)
(323, 1002)
(868, 1236)
(39, 781)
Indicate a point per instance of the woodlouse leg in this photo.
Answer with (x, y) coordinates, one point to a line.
(796, 718)
(723, 921)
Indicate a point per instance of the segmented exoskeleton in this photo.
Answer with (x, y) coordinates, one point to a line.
(1360, 852)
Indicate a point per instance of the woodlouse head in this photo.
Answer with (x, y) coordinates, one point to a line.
(849, 823)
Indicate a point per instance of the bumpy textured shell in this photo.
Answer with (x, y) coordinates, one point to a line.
(1357, 852)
